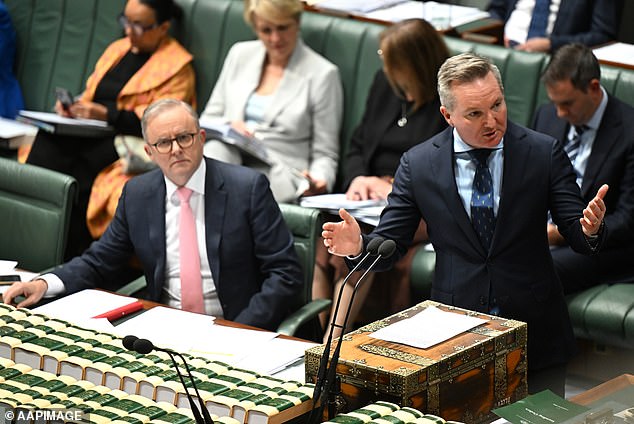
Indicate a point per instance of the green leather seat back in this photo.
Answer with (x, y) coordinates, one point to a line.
(305, 225)
(208, 30)
(58, 43)
(35, 205)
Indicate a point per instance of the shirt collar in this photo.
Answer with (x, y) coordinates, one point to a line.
(196, 182)
(595, 121)
(459, 146)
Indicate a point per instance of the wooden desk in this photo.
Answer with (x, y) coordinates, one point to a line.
(604, 389)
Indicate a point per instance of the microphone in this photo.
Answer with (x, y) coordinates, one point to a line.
(145, 346)
(382, 249)
(372, 249)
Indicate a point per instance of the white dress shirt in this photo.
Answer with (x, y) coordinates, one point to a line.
(465, 168)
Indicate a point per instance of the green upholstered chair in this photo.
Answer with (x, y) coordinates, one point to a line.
(305, 224)
(35, 205)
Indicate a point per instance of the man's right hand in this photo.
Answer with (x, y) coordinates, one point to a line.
(343, 238)
(33, 291)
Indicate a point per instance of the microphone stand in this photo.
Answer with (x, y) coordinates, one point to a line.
(145, 346)
(372, 249)
(385, 250)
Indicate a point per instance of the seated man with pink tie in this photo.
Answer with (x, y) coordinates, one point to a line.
(209, 235)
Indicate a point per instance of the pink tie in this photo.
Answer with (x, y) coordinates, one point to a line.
(191, 280)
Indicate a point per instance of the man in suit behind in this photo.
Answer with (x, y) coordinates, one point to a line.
(597, 131)
(239, 261)
(545, 25)
(503, 267)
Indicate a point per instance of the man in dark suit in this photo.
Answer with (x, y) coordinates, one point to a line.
(602, 154)
(498, 263)
(247, 271)
(538, 25)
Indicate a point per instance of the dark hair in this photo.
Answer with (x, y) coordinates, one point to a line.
(574, 62)
(414, 49)
(164, 10)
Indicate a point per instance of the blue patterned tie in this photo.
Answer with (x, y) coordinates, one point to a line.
(482, 217)
(572, 145)
(539, 22)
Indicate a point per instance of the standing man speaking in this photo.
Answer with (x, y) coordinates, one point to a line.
(484, 186)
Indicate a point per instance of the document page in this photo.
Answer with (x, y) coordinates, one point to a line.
(427, 328)
(84, 305)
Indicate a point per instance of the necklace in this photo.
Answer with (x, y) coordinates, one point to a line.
(402, 121)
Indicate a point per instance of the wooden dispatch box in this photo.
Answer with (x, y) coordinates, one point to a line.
(461, 379)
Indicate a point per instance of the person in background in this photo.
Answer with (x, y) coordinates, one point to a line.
(209, 235)
(484, 187)
(546, 25)
(597, 132)
(402, 110)
(10, 94)
(283, 93)
(144, 66)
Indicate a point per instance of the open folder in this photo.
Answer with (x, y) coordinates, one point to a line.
(60, 125)
(90, 303)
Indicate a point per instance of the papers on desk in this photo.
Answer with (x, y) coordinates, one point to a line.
(197, 334)
(54, 123)
(618, 53)
(368, 211)
(440, 15)
(14, 134)
(355, 6)
(427, 328)
(84, 306)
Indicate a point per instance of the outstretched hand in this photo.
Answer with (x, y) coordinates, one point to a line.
(343, 238)
(593, 213)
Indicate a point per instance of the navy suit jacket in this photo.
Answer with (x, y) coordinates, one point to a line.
(537, 176)
(250, 249)
(611, 162)
(589, 22)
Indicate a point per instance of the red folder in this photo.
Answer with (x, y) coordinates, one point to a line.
(121, 311)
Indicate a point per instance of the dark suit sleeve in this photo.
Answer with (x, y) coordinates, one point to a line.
(501, 9)
(566, 203)
(274, 251)
(575, 28)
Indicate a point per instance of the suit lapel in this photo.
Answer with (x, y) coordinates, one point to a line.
(215, 205)
(605, 139)
(155, 213)
(292, 81)
(442, 164)
(516, 154)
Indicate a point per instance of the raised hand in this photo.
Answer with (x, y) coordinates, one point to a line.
(593, 213)
(343, 238)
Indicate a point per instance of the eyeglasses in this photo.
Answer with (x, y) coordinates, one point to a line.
(184, 141)
(136, 27)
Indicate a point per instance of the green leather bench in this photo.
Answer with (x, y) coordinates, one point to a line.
(60, 40)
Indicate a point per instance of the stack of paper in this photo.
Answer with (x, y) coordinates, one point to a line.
(367, 211)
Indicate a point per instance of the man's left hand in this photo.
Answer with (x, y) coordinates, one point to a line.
(593, 213)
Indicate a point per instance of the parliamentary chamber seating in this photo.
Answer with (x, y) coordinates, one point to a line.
(60, 40)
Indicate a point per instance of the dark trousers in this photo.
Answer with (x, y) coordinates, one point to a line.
(551, 378)
(83, 158)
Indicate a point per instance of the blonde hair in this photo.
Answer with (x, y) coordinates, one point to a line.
(272, 10)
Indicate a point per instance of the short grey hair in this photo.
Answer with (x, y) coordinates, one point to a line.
(460, 69)
(162, 105)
